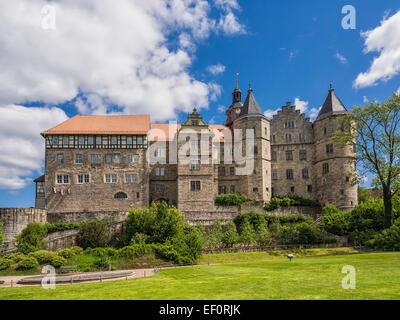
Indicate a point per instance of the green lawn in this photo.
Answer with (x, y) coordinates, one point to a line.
(378, 277)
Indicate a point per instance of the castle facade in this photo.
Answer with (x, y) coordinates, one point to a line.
(111, 163)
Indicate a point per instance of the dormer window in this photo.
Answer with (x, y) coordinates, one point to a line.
(195, 122)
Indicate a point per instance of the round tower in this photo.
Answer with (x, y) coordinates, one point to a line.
(235, 109)
(334, 167)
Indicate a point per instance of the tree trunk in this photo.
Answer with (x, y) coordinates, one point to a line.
(387, 201)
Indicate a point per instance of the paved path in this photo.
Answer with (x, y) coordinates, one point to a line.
(138, 273)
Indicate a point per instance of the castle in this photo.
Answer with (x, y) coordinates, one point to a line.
(117, 162)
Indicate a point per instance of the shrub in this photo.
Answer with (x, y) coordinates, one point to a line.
(136, 251)
(76, 250)
(232, 199)
(102, 252)
(301, 233)
(361, 237)
(387, 239)
(60, 226)
(263, 236)
(15, 257)
(31, 238)
(48, 257)
(58, 261)
(5, 263)
(334, 221)
(65, 253)
(27, 263)
(102, 263)
(247, 234)
(93, 234)
(368, 216)
(230, 236)
(295, 201)
(214, 236)
(139, 238)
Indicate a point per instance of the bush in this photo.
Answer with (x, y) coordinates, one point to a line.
(27, 263)
(76, 250)
(263, 236)
(301, 233)
(247, 234)
(15, 257)
(60, 226)
(102, 263)
(387, 239)
(232, 199)
(93, 234)
(31, 238)
(334, 221)
(136, 251)
(65, 253)
(44, 257)
(214, 236)
(295, 201)
(5, 263)
(230, 236)
(139, 238)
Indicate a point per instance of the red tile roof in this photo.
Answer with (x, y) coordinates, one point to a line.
(102, 125)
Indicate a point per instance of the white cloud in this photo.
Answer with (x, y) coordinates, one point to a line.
(313, 113)
(270, 113)
(365, 99)
(301, 105)
(398, 92)
(341, 58)
(221, 109)
(216, 69)
(22, 147)
(384, 39)
(119, 53)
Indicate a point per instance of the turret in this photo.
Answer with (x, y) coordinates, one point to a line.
(334, 166)
(256, 184)
(234, 110)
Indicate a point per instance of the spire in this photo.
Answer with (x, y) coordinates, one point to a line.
(237, 94)
(332, 105)
(250, 106)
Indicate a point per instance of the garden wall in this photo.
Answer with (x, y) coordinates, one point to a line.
(77, 217)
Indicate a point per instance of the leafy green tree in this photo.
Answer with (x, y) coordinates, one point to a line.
(334, 221)
(214, 236)
(376, 127)
(247, 234)
(364, 195)
(230, 236)
(32, 238)
(93, 234)
(263, 236)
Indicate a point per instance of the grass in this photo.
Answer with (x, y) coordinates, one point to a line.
(378, 277)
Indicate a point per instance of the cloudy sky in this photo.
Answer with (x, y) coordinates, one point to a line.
(164, 57)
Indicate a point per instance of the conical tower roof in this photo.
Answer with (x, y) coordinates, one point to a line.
(250, 106)
(332, 106)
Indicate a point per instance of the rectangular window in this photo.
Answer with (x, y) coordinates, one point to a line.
(108, 178)
(289, 174)
(114, 141)
(302, 137)
(273, 155)
(133, 158)
(274, 174)
(160, 152)
(255, 190)
(195, 185)
(222, 189)
(325, 168)
(255, 150)
(117, 158)
(66, 179)
(221, 171)
(98, 140)
(329, 148)
(305, 173)
(309, 188)
(78, 158)
(81, 140)
(291, 189)
(160, 172)
(160, 188)
(108, 158)
(140, 140)
(233, 189)
(288, 138)
(60, 158)
(289, 155)
(114, 178)
(129, 140)
(95, 158)
(55, 141)
(80, 179)
(195, 165)
(87, 178)
(98, 158)
(130, 178)
(303, 155)
(59, 179)
(65, 141)
(232, 171)
(90, 140)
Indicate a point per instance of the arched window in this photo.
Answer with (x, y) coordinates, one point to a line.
(120, 195)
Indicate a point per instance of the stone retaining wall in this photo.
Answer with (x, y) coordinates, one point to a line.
(78, 217)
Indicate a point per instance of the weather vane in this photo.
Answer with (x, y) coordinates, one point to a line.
(237, 80)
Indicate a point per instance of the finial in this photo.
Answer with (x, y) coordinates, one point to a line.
(237, 80)
(331, 87)
(250, 89)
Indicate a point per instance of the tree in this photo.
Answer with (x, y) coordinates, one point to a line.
(93, 234)
(364, 195)
(377, 128)
(32, 238)
(215, 234)
(263, 236)
(230, 236)
(247, 235)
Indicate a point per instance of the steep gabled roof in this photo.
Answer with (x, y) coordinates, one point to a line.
(102, 125)
(250, 106)
(332, 106)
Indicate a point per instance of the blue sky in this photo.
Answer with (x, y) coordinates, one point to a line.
(287, 49)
